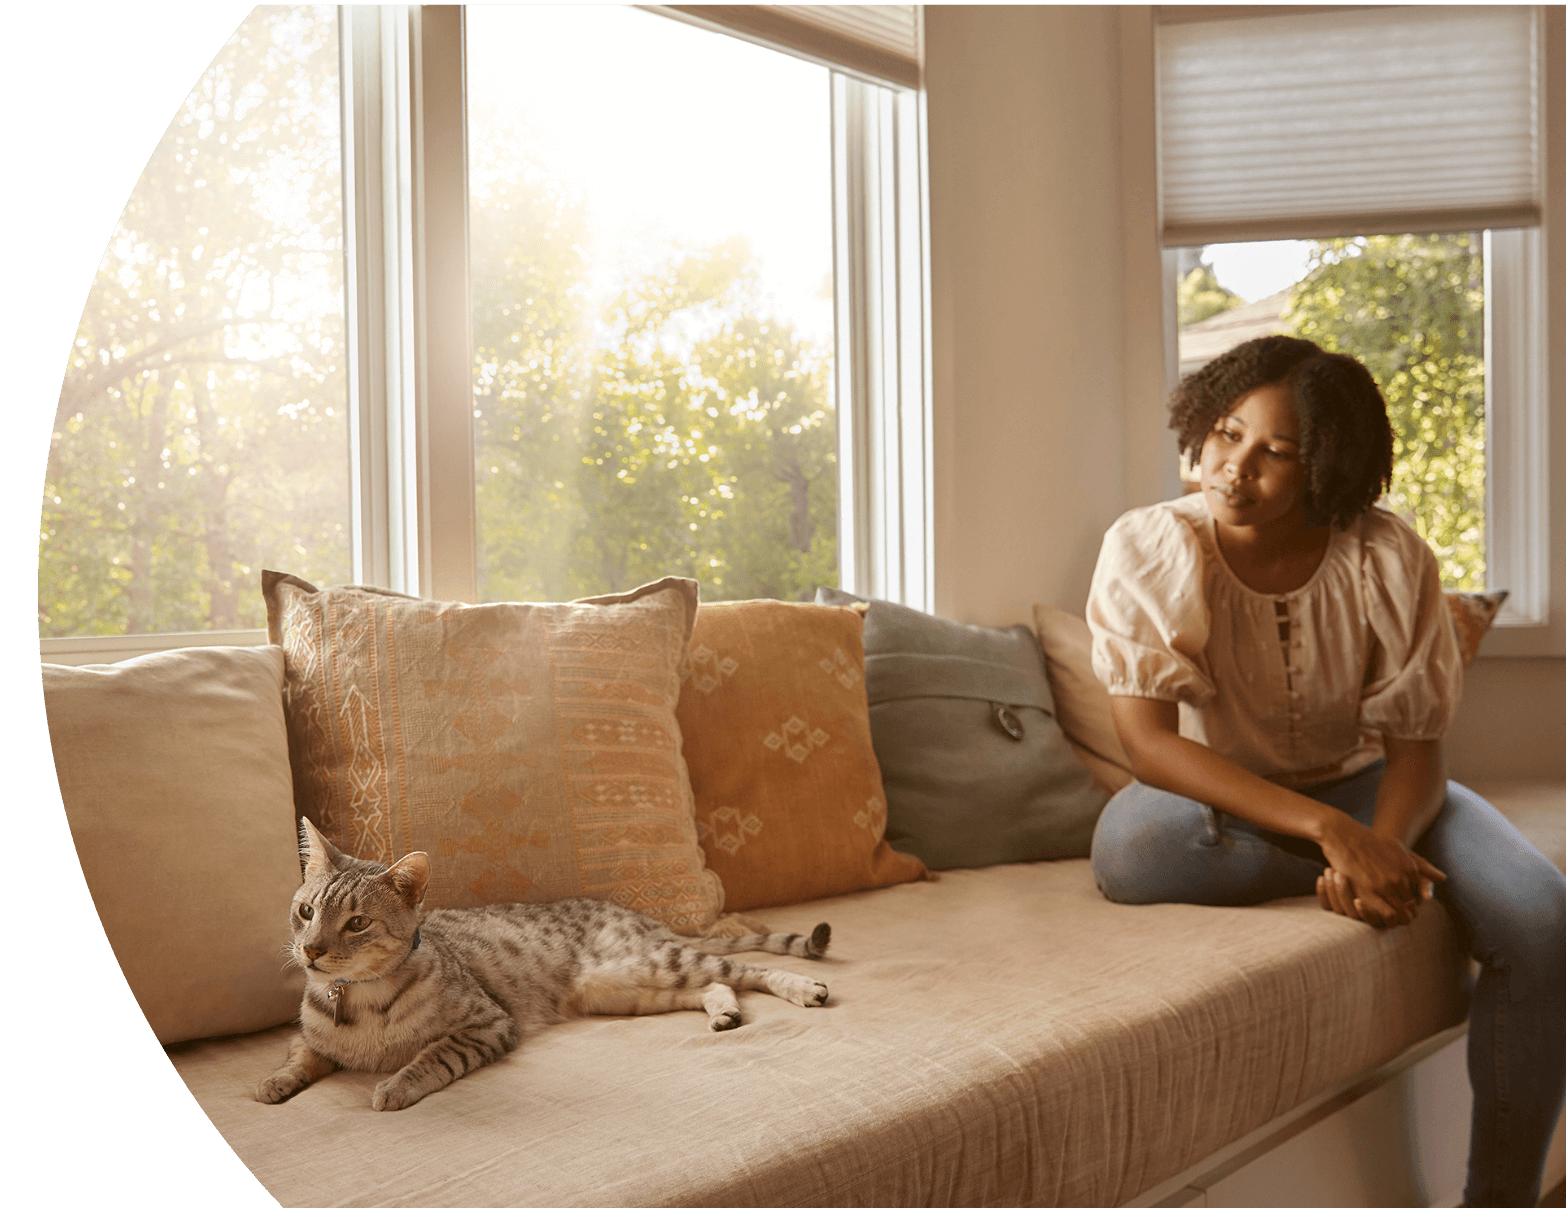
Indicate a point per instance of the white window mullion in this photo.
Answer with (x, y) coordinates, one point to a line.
(914, 386)
(441, 339)
(883, 412)
(1517, 427)
(411, 431)
(376, 176)
(850, 372)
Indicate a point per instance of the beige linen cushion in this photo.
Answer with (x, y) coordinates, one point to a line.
(530, 749)
(174, 772)
(777, 737)
(1081, 700)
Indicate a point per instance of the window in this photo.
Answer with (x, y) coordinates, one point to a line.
(473, 386)
(203, 421)
(1387, 164)
(652, 308)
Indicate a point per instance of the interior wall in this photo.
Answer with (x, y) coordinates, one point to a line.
(1027, 273)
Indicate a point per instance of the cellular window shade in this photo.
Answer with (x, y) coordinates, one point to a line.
(881, 41)
(1324, 123)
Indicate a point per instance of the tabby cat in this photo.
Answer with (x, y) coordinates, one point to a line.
(429, 997)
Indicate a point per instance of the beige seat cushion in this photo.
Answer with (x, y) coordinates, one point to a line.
(531, 749)
(174, 772)
(777, 737)
(1001, 1036)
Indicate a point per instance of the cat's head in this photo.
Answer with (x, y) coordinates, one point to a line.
(354, 920)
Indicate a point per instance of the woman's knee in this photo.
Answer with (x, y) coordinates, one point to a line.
(1136, 842)
(1511, 896)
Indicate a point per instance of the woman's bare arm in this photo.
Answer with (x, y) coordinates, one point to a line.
(1380, 880)
(1412, 790)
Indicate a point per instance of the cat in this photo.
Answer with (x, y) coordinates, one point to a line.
(427, 997)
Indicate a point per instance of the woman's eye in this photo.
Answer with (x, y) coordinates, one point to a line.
(358, 923)
(306, 912)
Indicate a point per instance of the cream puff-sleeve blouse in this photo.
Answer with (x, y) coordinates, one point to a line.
(1298, 687)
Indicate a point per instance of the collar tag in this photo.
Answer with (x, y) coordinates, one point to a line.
(334, 995)
(415, 939)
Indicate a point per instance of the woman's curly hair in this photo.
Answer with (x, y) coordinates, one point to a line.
(1345, 437)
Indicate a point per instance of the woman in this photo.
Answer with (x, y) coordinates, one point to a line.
(1282, 667)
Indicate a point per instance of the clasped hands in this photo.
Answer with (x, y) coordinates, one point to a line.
(1373, 878)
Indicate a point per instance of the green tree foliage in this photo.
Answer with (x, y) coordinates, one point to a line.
(202, 426)
(683, 431)
(1411, 307)
(1201, 297)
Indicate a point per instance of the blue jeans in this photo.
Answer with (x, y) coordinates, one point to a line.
(1509, 901)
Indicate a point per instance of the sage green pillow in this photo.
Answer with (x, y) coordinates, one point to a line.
(975, 767)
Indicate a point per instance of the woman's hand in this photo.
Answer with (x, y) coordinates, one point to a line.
(1372, 877)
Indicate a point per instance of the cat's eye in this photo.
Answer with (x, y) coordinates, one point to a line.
(358, 923)
(306, 911)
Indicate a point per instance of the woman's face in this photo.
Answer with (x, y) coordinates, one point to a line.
(1250, 467)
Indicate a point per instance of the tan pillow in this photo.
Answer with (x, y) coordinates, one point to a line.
(174, 772)
(1081, 700)
(1472, 615)
(777, 737)
(530, 749)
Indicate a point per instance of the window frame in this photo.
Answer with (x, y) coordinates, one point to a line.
(408, 312)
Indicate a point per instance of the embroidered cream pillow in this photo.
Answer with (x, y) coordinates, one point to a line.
(789, 802)
(531, 749)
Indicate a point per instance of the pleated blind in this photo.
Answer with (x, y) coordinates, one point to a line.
(881, 41)
(1313, 122)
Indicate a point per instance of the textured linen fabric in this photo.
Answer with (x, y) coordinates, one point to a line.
(977, 770)
(1370, 650)
(531, 749)
(1003, 1036)
(1473, 612)
(174, 772)
(789, 800)
(1081, 703)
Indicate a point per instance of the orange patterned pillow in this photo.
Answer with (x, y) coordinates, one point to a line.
(1472, 614)
(789, 803)
(530, 749)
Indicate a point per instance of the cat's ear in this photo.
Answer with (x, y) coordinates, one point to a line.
(410, 877)
(316, 855)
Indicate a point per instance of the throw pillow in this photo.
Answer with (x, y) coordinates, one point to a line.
(530, 749)
(174, 772)
(977, 770)
(1472, 614)
(1081, 702)
(789, 801)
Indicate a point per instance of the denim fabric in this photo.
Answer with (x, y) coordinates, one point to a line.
(1510, 902)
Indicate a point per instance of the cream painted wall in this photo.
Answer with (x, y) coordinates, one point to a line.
(1026, 273)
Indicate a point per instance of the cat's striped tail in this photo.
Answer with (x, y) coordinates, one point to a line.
(811, 947)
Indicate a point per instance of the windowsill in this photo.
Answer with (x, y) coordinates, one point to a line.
(1502, 642)
(80, 652)
(1523, 642)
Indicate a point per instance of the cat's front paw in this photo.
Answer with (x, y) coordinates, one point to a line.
(726, 1020)
(816, 995)
(278, 1087)
(394, 1094)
